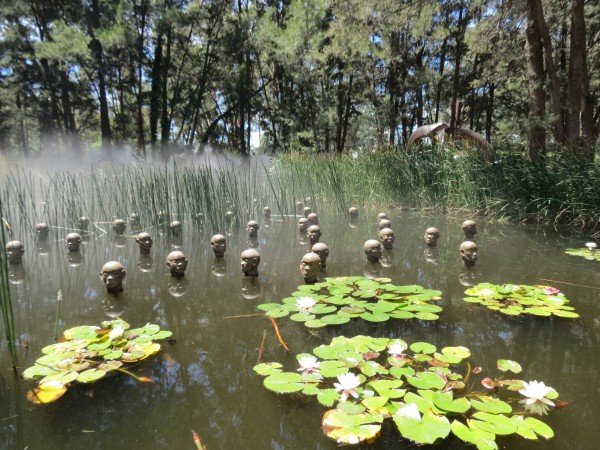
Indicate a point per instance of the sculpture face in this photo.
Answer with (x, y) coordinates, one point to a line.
(323, 251)
(381, 216)
(314, 234)
(14, 252)
(73, 242)
(431, 236)
(250, 259)
(118, 226)
(112, 275)
(373, 250)
(218, 244)
(470, 229)
(175, 227)
(252, 228)
(144, 242)
(303, 224)
(42, 231)
(384, 223)
(134, 219)
(313, 219)
(353, 212)
(267, 211)
(307, 211)
(387, 237)
(177, 263)
(468, 252)
(83, 223)
(310, 266)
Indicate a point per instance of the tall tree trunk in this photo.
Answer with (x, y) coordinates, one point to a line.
(156, 89)
(457, 62)
(534, 55)
(574, 91)
(489, 113)
(537, 14)
(165, 128)
(97, 55)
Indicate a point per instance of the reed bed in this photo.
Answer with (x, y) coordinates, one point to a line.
(556, 189)
(6, 300)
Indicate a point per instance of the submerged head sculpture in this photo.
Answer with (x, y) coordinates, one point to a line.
(83, 223)
(266, 212)
(373, 250)
(306, 211)
(118, 226)
(384, 223)
(310, 266)
(323, 251)
(353, 212)
(313, 219)
(249, 261)
(112, 275)
(14, 252)
(218, 244)
(175, 228)
(470, 228)
(144, 242)
(73, 242)
(134, 220)
(177, 263)
(252, 228)
(468, 252)
(382, 216)
(431, 236)
(41, 231)
(387, 238)
(303, 224)
(313, 233)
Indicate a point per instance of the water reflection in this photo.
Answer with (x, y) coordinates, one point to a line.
(204, 378)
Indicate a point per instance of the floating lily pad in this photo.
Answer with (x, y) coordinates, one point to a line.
(284, 382)
(514, 300)
(356, 297)
(348, 429)
(417, 390)
(424, 430)
(88, 353)
(507, 365)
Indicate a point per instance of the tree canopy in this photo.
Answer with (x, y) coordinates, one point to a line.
(323, 76)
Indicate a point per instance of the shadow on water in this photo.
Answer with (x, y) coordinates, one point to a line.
(203, 379)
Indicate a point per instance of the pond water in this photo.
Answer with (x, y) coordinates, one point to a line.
(203, 379)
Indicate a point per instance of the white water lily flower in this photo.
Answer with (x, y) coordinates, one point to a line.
(397, 349)
(116, 332)
(409, 410)
(305, 303)
(347, 383)
(308, 364)
(536, 401)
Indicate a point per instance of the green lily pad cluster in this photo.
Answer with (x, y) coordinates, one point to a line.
(89, 353)
(336, 301)
(584, 253)
(517, 299)
(428, 393)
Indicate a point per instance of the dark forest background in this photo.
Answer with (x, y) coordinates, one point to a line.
(317, 76)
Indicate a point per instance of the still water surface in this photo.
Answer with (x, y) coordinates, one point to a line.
(204, 380)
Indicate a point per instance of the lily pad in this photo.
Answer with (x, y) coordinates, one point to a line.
(348, 429)
(494, 423)
(425, 430)
(507, 365)
(284, 382)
